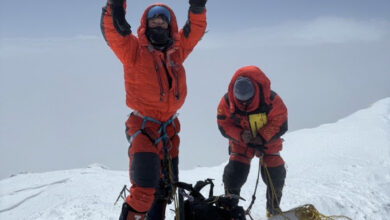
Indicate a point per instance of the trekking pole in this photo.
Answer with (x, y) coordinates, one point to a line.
(122, 194)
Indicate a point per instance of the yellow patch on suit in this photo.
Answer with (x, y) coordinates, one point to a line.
(257, 121)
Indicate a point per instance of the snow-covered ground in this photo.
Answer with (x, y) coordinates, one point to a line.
(341, 168)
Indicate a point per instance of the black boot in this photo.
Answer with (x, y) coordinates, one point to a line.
(157, 211)
(278, 175)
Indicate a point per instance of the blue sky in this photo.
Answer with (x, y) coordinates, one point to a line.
(45, 18)
(61, 88)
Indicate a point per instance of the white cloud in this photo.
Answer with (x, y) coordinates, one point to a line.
(340, 30)
(322, 30)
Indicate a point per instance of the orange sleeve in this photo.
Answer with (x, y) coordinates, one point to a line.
(192, 32)
(276, 121)
(125, 48)
(226, 124)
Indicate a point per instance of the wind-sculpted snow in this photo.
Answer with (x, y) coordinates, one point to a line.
(341, 168)
(27, 191)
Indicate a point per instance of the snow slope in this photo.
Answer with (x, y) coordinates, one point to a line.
(342, 168)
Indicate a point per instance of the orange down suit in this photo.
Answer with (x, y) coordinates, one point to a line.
(266, 116)
(151, 94)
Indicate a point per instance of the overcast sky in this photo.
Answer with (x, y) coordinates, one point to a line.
(62, 100)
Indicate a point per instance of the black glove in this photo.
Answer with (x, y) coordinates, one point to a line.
(246, 136)
(260, 148)
(256, 140)
(116, 2)
(197, 6)
(118, 17)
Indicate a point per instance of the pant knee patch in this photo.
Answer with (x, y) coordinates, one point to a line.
(235, 175)
(145, 169)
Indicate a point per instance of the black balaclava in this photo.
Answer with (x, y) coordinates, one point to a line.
(159, 37)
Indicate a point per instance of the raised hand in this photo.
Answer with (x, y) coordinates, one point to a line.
(197, 6)
(116, 2)
(118, 17)
(198, 3)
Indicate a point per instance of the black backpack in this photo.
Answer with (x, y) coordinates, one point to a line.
(194, 206)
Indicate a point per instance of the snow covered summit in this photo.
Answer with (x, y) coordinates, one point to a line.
(341, 168)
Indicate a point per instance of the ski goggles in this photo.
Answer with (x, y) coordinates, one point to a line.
(159, 11)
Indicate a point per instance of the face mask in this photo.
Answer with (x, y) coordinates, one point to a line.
(158, 36)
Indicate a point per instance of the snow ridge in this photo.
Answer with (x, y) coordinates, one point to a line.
(341, 168)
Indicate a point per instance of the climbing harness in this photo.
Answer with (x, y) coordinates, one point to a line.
(162, 130)
(167, 169)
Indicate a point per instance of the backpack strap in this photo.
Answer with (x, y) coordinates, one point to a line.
(201, 184)
(195, 191)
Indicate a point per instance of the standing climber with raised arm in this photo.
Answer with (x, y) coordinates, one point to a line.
(155, 82)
